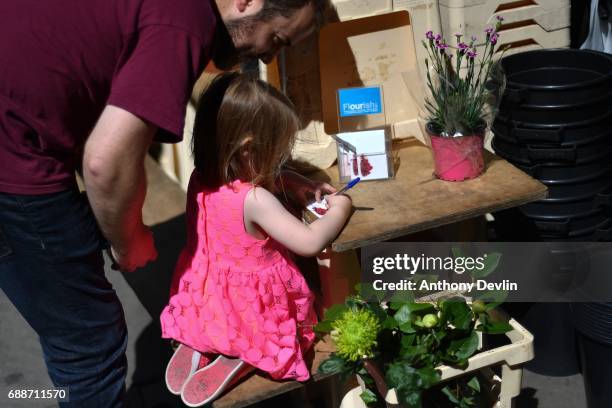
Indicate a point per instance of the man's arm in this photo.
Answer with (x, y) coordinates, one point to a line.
(115, 180)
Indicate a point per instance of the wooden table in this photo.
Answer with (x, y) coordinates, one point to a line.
(415, 200)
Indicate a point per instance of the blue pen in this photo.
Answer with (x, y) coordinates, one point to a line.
(351, 184)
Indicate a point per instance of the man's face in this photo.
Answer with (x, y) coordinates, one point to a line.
(254, 36)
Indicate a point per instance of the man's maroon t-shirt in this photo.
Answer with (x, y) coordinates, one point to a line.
(62, 61)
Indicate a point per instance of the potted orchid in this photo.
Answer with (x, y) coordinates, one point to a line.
(457, 107)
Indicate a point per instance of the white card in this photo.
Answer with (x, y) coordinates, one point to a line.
(370, 161)
(318, 208)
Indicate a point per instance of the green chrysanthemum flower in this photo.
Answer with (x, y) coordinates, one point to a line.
(355, 334)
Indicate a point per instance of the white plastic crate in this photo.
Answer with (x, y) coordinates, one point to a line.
(510, 357)
(470, 17)
(524, 39)
(350, 9)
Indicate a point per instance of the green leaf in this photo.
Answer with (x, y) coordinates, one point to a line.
(491, 263)
(440, 335)
(335, 312)
(496, 327)
(378, 311)
(368, 397)
(407, 328)
(406, 381)
(414, 354)
(457, 252)
(402, 315)
(389, 323)
(421, 308)
(491, 295)
(399, 297)
(474, 384)
(407, 311)
(334, 364)
(450, 395)
(458, 313)
(370, 294)
(408, 340)
(465, 347)
(353, 303)
(429, 377)
(324, 326)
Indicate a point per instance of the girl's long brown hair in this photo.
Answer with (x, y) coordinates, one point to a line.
(237, 114)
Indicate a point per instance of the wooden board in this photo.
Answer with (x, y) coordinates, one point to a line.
(415, 200)
(258, 388)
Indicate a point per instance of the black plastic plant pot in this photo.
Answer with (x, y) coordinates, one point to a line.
(599, 233)
(564, 193)
(578, 133)
(552, 174)
(543, 77)
(518, 228)
(577, 224)
(538, 154)
(567, 208)
(594, 320)
(553, 226)
(559, 113)
(593, 323)
(595, 357)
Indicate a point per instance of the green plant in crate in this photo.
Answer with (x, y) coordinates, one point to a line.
(401, 344)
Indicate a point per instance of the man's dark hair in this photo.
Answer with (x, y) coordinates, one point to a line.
(286, 8)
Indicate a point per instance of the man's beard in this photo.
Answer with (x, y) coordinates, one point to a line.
(225, 55)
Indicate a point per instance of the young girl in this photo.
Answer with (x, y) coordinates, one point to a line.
(236, 291)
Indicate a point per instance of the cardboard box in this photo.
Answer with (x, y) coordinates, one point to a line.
(375, 50)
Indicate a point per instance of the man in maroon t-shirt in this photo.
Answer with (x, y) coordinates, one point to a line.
(91, 83)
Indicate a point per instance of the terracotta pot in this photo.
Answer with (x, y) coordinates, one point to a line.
(457, 158)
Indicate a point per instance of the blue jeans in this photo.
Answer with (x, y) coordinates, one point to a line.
(52, 269)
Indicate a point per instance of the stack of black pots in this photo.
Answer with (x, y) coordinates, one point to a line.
(555, 123)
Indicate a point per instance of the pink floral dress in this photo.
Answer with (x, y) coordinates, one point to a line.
(235, 294)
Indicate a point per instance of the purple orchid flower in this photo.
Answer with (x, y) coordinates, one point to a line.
(499, 18)
(429, 35)
(489, 30)
(462, 47)
(472, 54)
(494, 38)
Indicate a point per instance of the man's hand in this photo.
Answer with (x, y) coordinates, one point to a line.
(139, 253)
(304, 188)
(115, 180)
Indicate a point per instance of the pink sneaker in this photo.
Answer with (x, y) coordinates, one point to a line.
(209, 382)
(184, 362)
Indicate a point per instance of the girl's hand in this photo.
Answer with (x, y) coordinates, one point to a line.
(304, 188)
(340, 201)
